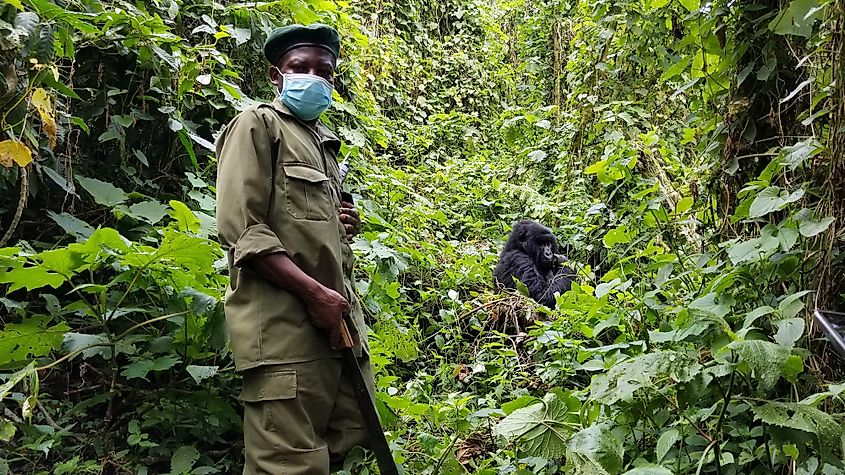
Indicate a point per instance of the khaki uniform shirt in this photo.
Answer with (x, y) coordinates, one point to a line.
(278, 190)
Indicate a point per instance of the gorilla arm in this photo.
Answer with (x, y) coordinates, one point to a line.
(520, 265)
(560, 283)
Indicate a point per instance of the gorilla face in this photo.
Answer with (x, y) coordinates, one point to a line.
(539, 243)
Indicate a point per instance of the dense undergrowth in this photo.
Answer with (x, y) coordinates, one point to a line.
(687, 153)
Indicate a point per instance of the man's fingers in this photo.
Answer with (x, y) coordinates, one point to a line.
(348, 212)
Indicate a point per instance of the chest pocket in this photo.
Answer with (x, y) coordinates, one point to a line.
(308, 193)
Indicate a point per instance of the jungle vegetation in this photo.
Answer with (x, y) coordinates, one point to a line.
(690, 154)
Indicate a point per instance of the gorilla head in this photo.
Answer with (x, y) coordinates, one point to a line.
(531, 256)
(538, 242)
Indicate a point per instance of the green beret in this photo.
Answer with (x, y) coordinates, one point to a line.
(286, 38)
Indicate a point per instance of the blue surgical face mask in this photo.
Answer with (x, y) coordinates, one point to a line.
(306, 95)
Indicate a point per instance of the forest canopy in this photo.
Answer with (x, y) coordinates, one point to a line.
(688, 155)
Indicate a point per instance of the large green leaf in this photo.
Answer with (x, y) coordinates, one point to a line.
(765, 359)
(183, 460)
(33, 337)
(801, 417)
(30, 278)
(150, 211)
(796, 19)
(772, 199)
(63, 261)
(810, 227)
(665, 443)
(541, 429)
(72, 225)
(594, 450)
(628, 376)
(140, 366)
(104, 193)
(184, 218)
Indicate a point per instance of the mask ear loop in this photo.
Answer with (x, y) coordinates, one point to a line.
(281, 84)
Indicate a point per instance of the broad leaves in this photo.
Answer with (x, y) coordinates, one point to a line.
(649, 470)
(628, 376)
(796, 19)
(12, 151)
(771, 199)
(801, 417)
(33, 337)
(767, 361)
(541, 429)
(140, 367)
(594, 450)
(183, 460)
(201, 372)
(103, 193)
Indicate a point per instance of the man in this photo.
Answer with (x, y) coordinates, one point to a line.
(285, 228)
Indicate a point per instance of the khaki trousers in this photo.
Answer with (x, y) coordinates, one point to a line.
(301, 418)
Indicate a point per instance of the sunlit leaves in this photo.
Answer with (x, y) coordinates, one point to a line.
(184, 218)
(618, 235)
(30, 278)
(14, 152)
(796, 19)
(33, 337)
(43, 105)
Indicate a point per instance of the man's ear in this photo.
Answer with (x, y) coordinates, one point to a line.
(275, 76)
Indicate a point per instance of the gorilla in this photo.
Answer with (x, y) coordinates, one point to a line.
(531, 256)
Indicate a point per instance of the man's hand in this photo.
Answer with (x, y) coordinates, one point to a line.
(349, 218)
(326, 309)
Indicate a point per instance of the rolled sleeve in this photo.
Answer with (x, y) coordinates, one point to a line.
(256, 240)
(245, 189)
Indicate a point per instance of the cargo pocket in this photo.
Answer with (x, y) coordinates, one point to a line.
(308, 193)
(265, 386)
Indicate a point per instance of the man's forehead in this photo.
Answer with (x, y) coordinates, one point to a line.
(311, 54)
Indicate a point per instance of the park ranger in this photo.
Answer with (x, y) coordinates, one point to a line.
(286, 229)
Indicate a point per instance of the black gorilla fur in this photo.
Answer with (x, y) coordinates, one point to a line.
(531, 255)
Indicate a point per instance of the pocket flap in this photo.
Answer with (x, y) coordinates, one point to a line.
(304, 172)
(261, 385)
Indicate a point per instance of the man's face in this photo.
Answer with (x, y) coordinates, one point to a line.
(304, 60)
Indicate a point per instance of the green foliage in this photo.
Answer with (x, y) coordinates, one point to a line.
(681, 150)
(542, 429)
